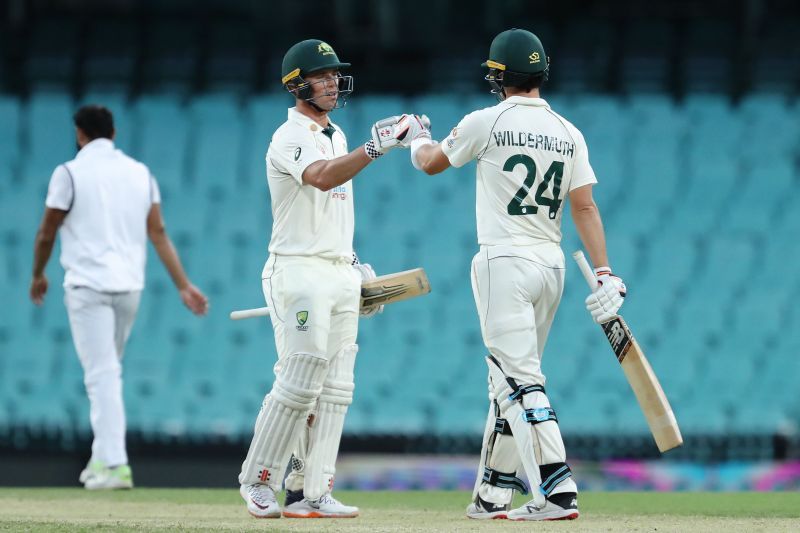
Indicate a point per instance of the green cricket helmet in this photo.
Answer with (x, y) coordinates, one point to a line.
(515, 56)
(307, 57)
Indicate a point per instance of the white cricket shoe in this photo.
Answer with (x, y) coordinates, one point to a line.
(563, 506)
(261, 500)
(93, 468)
(483, 510)
(325, 507)
(119, 477)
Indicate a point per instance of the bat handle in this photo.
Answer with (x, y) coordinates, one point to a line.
(586, 270)
(249, 313)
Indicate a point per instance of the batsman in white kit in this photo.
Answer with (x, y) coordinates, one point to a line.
(528, 159)
(311, 283)
(104, 206)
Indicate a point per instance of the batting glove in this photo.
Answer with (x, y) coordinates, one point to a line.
(367, 273)
(395, 131)
(604, 303)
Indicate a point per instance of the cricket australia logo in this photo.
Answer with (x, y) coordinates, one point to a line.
(325, 49)
(617, 337)
(302, 318)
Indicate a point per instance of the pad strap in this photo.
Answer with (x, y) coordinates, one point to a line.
(502, 426)
(503, 480)
(552, 475)
(538, 415)
(519, 392)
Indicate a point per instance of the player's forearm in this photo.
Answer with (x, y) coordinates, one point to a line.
(325, 175)
(42, 248)
(590, 229)
(431, 159)
(169, 256)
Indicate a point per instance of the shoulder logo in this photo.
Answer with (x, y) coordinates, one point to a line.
(297, 153)
(325, 49)
(454, 133)
(302, 317)
(534, 57)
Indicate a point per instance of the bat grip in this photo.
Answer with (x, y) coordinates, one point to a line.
(586, 270)
(249, 313)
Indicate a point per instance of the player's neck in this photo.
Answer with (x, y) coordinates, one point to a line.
(320, 117)
(512, 91)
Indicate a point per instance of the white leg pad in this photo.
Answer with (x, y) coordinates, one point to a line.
(498, 453)
(536, 433)
(325, 433)
(295, 391)
(527, 446)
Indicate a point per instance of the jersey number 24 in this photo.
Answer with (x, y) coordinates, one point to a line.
(555, 174)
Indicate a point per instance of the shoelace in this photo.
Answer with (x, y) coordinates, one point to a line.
(261, 494)
(327, 499)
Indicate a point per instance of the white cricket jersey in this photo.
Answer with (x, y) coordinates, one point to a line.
(104, 236)
(306, 220)
(529, 159)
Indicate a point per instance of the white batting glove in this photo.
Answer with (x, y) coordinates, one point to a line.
(394, 131)
(367, 273)
(604, 303)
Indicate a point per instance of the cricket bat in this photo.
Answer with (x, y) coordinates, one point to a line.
(382, 290)
(640, 375)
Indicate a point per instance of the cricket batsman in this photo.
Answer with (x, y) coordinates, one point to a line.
(311, 283)
(529, 160)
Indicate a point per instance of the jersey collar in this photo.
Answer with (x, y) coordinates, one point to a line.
(299, 118)
(97, 145)
(524, 100)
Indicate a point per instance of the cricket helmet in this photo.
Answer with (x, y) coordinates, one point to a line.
(307, 57)
(515, 56)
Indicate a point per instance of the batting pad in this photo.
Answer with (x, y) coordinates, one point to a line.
(535, 429)
(498, 454)
(325, 433)
(297, 387)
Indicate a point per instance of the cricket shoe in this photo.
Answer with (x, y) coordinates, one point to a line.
(93, 468)
(261, 500)
(118, 477)
(293, 496)
(563, 506)
(483, 510)
(326, 506)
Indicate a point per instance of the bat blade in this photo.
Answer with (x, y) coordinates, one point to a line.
(646, 387)
(395, 287)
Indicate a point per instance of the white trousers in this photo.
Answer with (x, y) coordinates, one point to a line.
(517, 294)
(100, 324)
(314, 304)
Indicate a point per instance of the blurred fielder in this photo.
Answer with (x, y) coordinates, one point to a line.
(104, 205)
(529, 158)
(311, 283)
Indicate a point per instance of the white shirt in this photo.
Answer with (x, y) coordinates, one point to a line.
(104, 235)
(529, 158)
(306, 220)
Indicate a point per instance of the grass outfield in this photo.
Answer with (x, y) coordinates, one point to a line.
(215, 510)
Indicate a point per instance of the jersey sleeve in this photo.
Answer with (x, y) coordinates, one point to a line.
(293, 151)
(61, 190)
(582, 172)
(466, 140)
(155, 192)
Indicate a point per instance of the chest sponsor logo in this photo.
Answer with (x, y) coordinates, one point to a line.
(302, 318)
(297, 153)
(339, 193)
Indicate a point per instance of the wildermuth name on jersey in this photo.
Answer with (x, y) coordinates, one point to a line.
(535, 141)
